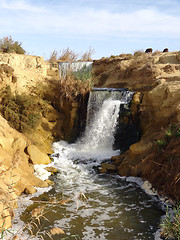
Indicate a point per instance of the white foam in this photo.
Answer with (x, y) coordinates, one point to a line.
(41, 172)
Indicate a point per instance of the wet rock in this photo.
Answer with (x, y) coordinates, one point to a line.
(52, 170)
(49, 182)
(108, 166)
(117, 160)
(57, 231)
(103, 170)
(124, 169)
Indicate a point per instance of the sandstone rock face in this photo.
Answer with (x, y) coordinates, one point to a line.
(16, 173)
(156, 79)
(28, 71)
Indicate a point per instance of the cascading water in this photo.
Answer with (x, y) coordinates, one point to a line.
(116, 208)
(102, 116)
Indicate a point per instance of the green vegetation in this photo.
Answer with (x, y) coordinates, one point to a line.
(8, 45)
(21, 111)
(161, 143)
(83, 75)
(172, 132)
(170, 226)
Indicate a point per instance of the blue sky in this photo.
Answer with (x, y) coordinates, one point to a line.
(110, 27)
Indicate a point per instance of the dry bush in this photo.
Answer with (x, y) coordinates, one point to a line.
(87, 56)
(71, 88)
(53, 56)
(68, 55)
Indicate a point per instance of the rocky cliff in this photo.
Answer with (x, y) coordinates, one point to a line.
(155, 77)
(19, 152)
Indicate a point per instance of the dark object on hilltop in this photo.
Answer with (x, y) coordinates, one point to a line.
(166, 50)
(149, 50)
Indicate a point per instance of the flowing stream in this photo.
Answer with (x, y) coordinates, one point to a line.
(99, 206)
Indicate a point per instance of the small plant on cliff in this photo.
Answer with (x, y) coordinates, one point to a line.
(7, 44)
(87, 56)
(170, 226)
(161, 143)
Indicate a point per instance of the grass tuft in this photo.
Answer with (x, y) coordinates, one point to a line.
(170, 226)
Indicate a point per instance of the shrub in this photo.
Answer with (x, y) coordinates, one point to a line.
(170, 226)
(73, 85)
(7, 44)
(21, 111)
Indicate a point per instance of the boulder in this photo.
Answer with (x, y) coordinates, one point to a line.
(36, 156)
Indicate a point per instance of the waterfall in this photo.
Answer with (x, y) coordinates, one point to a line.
(65, 67)
(102, 118)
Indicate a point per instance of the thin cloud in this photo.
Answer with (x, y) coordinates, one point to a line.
(19, 5)
(84, 21)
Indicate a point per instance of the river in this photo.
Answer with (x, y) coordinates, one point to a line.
(89, 205)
